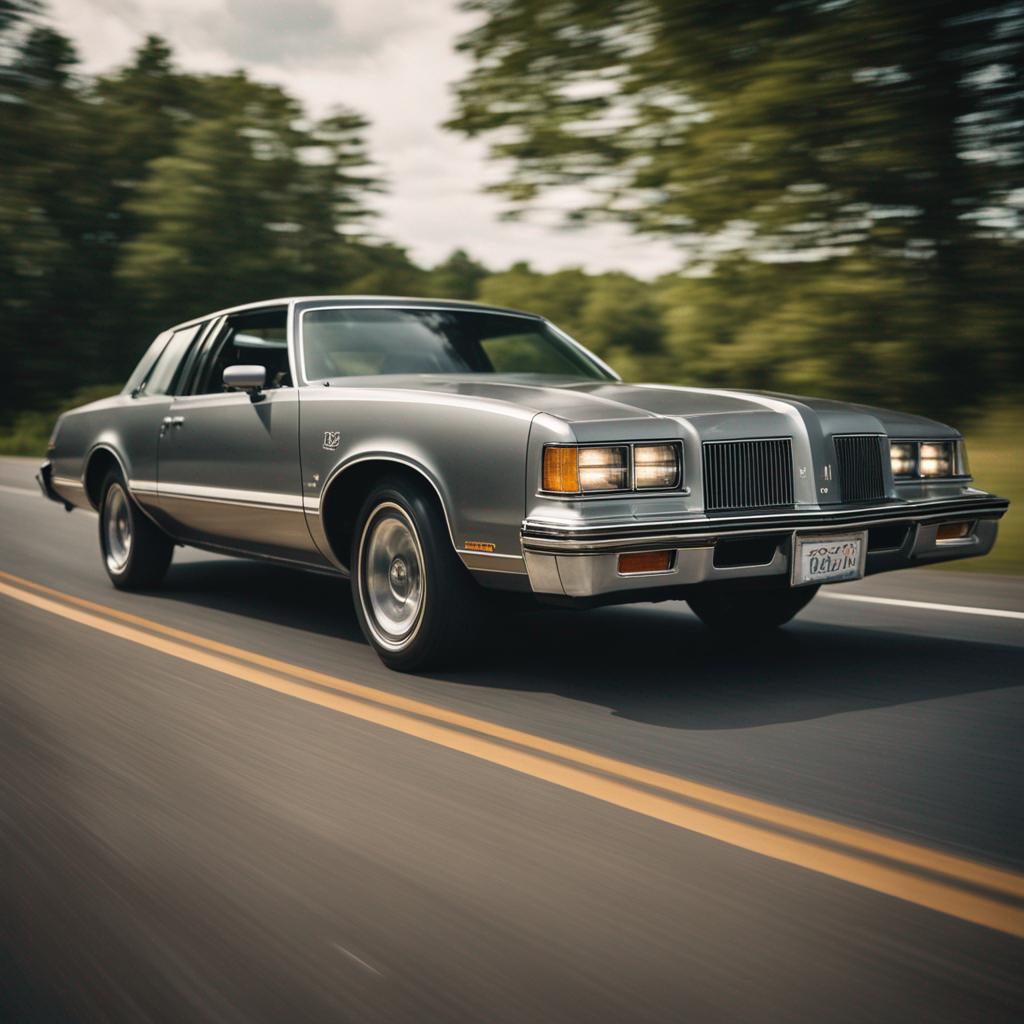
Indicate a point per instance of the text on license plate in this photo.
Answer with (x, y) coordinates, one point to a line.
(823, 559)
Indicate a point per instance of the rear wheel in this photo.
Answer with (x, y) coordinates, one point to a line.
(135, 551)
(737, 609)
(416, 602)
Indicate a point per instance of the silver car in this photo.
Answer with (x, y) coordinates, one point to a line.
(435, 451)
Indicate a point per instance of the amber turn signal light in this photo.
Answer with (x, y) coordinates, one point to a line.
(561, 470)
(645, 561)
(953, 531)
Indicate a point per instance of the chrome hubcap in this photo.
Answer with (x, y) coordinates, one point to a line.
(392, 575)
(117, 528)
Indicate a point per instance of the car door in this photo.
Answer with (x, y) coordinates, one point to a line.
(228, 464)
(149, 401)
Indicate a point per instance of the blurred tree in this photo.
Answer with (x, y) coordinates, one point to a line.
(148, 194)
(46, 221)
(384, 269)
(874, 131)
(560, 296)
(251, 202)
(458, 277)
(846, 179)
(205, 212)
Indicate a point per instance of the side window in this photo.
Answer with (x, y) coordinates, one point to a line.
(145, 364)
(250, 339)
(163, 376)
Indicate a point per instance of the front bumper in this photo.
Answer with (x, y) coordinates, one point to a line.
(579, 561)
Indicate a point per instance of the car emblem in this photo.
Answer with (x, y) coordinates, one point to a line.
(332, 439)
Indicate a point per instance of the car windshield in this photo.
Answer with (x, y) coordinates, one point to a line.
(346, 342)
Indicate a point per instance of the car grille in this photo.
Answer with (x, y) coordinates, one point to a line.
(747, 474)
(859, 458)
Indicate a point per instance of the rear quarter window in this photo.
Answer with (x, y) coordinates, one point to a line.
(145, 364)
(162, 377)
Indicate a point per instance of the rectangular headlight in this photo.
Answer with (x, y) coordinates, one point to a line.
(903, 455)
(936, 458)
(927, 460)
(572, 469)
(655, 466)
(604, 469)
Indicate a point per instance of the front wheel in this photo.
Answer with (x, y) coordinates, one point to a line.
(135, 551)
(415, 601)
(746, 610)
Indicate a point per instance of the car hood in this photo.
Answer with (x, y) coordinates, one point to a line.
(711, 411)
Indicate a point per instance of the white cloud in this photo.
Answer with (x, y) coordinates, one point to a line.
(394, 62)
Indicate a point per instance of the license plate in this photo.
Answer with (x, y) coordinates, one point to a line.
(828, 559)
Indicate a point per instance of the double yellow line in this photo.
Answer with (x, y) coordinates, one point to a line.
(984, 895)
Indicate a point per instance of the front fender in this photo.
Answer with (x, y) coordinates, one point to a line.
(471, 452)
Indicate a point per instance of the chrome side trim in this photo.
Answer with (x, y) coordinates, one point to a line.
(68, 481)
(489, 561)
(230, 496)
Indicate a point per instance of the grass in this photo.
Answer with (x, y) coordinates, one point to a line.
(993, 450)
(993, 447)
(30, 431)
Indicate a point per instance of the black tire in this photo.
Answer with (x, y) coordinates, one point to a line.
(136, 552)
(415, 616)
(748, 610)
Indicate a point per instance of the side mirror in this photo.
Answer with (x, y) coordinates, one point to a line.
(245, 378)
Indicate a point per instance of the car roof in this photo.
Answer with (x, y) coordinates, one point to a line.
(384, 301)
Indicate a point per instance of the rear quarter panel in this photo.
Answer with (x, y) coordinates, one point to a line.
(127, 427)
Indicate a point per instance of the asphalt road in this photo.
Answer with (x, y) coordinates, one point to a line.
(607, 833)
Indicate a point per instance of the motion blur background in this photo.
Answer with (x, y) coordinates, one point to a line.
(815, 196)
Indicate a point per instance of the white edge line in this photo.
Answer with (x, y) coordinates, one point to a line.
(959, 609)
(357, 959)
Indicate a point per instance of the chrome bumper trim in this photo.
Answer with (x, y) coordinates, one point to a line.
(548, 537)
(45, 480)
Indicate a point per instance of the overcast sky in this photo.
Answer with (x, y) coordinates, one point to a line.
(393, 61)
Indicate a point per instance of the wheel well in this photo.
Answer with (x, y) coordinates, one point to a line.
(348, 490)
(101, 462)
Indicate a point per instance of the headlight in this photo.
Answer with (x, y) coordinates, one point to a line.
(604, 469)
(903, 455)
(655, 465)
(936, 459)
(916, 460)
(589, 470)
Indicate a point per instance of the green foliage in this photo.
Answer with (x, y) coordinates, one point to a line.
(875, 147)
(458, 277)
(29, 431)
(993, 448)
(134, 200)
(845, 178)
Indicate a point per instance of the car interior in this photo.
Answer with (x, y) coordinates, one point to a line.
(252, 339)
